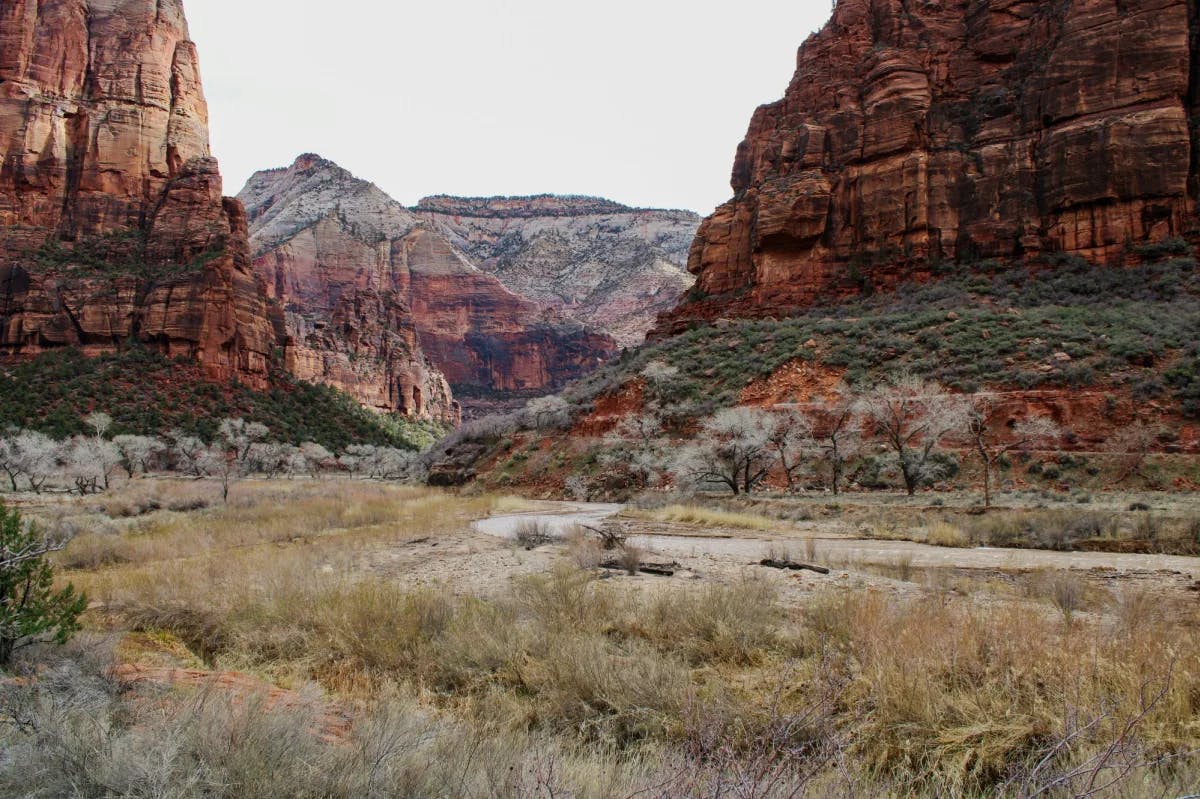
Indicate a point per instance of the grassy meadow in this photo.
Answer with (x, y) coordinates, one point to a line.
(562, 683)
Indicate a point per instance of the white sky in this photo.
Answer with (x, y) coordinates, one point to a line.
(640, 101)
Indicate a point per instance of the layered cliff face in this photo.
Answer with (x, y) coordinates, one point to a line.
(607, 266)
(325, 240)
(112, 223)
(914, 135)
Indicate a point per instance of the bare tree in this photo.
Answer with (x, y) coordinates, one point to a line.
(10, 460)
(790, 438)
(30, 454)
(189, 453)
(99, 421)
(229, 456)
(991, 442)
(239, 436)
(89, 462)
(546, 413)
(268, 457)
(358, 458)
(1133, 444)
(316, 457)
(838, 435)
(637, 446)
(913, 417)
(138, 452)
(221, 461)
(732, 450)
(658, 373)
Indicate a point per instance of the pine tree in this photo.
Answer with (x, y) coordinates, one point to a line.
(31, 611)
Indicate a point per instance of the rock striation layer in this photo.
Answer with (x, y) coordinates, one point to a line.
(113, 226)
(325, 240)
(112, 223)
(917, 134)
(607, 266)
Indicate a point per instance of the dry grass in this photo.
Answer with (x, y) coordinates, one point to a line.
(533, 533)
(263, 513)
(707, 517)
(944, 534)
(584, 550)
(956, 698)
(603, 688)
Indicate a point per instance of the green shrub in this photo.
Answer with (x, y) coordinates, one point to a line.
(148, 393)
(31, 611)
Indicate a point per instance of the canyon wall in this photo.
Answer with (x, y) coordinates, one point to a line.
(112, 223)
(113, 227)
(323, 238)
(609, 267)
(915, 135)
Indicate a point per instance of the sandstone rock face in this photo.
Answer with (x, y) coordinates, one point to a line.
(918, 133)
(607, 266)
(112, 223)
(325, 240)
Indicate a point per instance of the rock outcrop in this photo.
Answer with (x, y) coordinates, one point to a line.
(609, 267)
(325, 240)
(112, 223)
(113, 226)
(918, 134)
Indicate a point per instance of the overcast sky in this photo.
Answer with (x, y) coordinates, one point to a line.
(640, 101)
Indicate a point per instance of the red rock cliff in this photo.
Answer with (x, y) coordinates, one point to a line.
(923, 132)
(609, 267)
(112, 223)
(321, 235)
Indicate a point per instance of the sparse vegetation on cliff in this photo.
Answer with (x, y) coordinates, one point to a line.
(148, 393)
(113, 255)
(993, 326)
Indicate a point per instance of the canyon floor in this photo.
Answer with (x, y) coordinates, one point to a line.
(426, 628)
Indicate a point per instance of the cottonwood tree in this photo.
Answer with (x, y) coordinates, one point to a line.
(913, 417)
(138, 452)
(189, 453)
(659, 372)
(89, 462)
(31, 611)
(546, 413)
(28, 454)
(389, 463)
(239, 436)
(316, 457)
(992, 440)
(732, 450)
(636, 444)
(229, 456)
(357, 459)
(10, 460)
(99, 421)
(790, 438)
(664, 389)
(838, 435)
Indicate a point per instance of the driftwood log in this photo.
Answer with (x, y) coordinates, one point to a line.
(790, 565)
(660, 569)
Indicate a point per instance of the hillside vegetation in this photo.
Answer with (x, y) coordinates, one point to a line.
(147, 393)
(994, 325)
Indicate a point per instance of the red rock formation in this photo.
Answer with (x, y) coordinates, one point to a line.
(321, 235)
(112, 223)
(919, 132)
(350, 326)
(606, 266)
